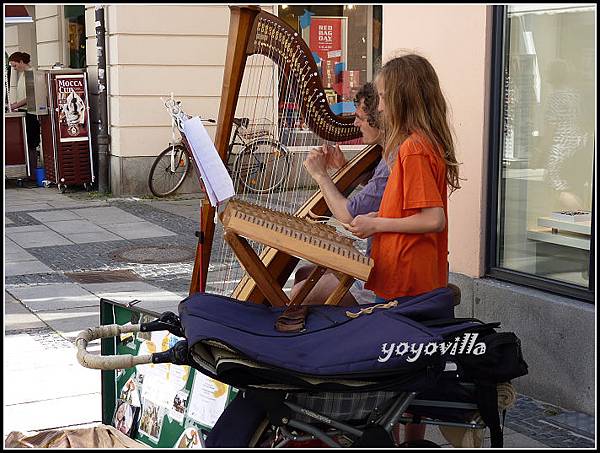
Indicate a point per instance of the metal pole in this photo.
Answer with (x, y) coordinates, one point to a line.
(103, 137)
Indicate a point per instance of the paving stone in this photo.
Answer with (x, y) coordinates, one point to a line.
(150, 297)
(26, 229)
(71, 321)
(69, 204)
(46, 345)
(17, 316)
(581, 423)
(41, 298)
(85, 238)
(138, 230)
(53, 413)
(60, 380)
(27, 207)
(513, 439)
(14, 253)
(106, 215)
(21, 219)
(10, 245)
(55, 215)
(43, 238)
(62, 376)
(176, 223)
(12, 268)
(67, 227)
(35, 279)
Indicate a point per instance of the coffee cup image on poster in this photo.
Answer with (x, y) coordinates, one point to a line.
(71, 107)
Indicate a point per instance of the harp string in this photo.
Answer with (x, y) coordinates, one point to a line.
(264, 77)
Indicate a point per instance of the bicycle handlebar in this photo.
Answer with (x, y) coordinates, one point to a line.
(166, 321)
(109, 362)
(176, 111)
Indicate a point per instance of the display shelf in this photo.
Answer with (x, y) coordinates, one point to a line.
(564, 225)
(566, 238)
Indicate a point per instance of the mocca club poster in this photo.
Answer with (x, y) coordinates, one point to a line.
(71, 103)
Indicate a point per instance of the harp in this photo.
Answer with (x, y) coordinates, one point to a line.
(260, 43)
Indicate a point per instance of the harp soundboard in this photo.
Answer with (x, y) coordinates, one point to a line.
(315, 242)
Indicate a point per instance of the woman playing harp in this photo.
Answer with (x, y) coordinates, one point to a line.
(266, 59)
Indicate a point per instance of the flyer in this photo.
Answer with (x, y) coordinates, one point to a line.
(208, 400)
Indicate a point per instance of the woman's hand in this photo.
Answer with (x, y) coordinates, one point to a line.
(316, 163)
(334, 157)
(363, 226)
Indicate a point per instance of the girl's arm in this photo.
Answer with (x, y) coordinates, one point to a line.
(429, 220)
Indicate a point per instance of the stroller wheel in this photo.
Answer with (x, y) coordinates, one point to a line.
(419, 444)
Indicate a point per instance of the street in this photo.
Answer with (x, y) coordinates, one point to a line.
(65, 251)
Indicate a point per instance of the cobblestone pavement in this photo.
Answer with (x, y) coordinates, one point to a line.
(551, 425)
(546, 424)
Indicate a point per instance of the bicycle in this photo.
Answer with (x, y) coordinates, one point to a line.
(249, 167)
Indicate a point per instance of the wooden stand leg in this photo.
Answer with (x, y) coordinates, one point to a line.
(309, 284)
(257, 270)
(341, 290)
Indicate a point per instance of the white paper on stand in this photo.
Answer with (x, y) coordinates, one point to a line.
(213, 172)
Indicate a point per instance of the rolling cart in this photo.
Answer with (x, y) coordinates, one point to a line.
(66, 137)
(16, 157)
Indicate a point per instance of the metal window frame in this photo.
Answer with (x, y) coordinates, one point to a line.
(499, 51)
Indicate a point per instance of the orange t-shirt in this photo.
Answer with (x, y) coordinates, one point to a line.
(407, 264)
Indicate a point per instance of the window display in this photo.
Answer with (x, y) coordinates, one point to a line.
(548, 154)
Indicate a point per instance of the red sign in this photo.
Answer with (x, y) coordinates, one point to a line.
(326, 37)
(73, 118)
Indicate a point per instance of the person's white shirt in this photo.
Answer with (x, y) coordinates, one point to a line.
(17, 86)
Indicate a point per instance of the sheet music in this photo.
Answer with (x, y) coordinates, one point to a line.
(213, 172)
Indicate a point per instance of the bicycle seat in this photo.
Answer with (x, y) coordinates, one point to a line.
(241, 122)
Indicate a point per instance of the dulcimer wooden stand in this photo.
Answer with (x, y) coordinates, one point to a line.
(314, 242)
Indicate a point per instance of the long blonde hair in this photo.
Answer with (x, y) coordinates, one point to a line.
(414, 103)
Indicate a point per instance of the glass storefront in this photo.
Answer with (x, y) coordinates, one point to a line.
(345, 41)
(548, 142)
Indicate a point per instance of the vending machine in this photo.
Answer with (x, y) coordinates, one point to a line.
(66, 132)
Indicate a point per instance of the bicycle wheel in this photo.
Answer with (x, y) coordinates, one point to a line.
(262, 166)
(164, 180)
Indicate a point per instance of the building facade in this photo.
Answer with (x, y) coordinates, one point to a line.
(520, 82)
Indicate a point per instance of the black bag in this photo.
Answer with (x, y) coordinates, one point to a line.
(502, 359)
(501, 362)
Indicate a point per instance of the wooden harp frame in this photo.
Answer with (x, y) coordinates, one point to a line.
(250, 32)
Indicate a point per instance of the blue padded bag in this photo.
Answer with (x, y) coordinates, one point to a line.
(332, 345)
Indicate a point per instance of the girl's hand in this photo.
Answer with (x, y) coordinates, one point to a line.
(363, 226)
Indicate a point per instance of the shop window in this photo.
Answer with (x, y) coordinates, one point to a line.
(548, 143)
(75, 24)
(345, 41)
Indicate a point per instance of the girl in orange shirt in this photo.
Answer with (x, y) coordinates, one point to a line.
(410, 230)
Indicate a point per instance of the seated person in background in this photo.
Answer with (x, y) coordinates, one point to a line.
(344, 210)
(21, 62)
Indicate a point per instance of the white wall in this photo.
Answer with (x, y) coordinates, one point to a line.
(454, 39)
(49, 26)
